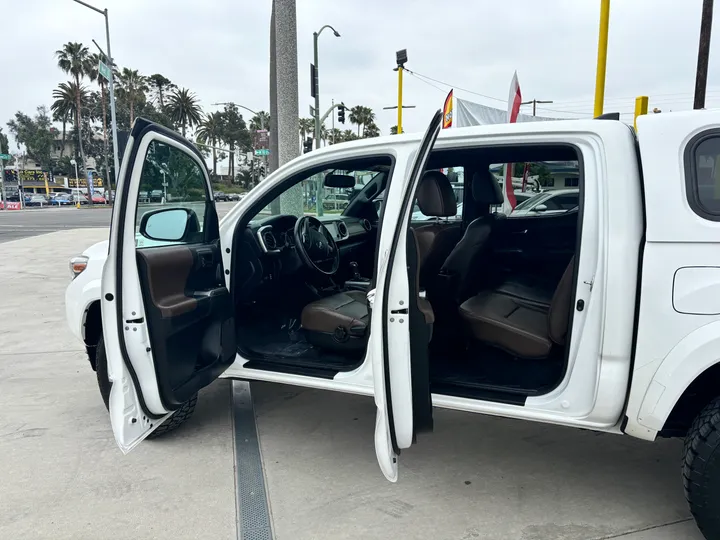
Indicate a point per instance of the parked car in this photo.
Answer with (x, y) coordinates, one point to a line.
(98, 199)
(606, 318)
(36, 200)
(235, 196)
(221, 196)
(556, 201)
(61, 199)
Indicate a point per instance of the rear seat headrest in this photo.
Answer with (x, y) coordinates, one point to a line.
(486, 189)
(435, 195)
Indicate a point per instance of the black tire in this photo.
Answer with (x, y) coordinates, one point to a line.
(178, 418)
(701, 470)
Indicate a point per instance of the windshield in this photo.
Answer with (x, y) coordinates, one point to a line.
(311, 197)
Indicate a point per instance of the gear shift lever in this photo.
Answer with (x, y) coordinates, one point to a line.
(355, 272)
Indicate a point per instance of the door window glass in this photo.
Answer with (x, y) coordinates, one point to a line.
(172, 199)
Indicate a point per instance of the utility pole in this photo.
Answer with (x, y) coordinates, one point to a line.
(333, 121)
(534, 103)
(703, 54)
(286, 77)
(3, 198)
(602, 57)
(400, 57)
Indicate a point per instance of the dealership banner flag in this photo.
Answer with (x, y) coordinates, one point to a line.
(514, 101)
(448, 111)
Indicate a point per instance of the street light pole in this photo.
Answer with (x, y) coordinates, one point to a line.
(111, 88)
(317, 81)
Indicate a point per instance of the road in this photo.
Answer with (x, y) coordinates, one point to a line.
(17, 224)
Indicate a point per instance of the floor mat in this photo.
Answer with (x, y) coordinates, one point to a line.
(285, 346)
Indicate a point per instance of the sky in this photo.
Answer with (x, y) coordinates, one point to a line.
(220, 50)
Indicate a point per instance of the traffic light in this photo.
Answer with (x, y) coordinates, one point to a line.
(341, 113)
(307, 145)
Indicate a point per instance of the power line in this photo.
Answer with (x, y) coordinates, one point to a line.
(424, 81)
(455, 86)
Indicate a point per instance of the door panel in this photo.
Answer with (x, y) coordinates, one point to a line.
(542, 246)
(189, 314)
(167, 316)
(399, 358)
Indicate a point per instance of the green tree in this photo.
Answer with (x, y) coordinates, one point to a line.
(235, 134)
(184, 109)
(307, 127)
(74, 59)
(361, 116)
(210, 131)
(348, 135)
(94, 75)
(393, 130)
(131, 88)
(334, 135)
(371, 130)
(36, 134)
(4, 144)
(256, 124)
(67, 96)
(160, 86)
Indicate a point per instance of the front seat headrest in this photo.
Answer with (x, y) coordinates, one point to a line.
(486, 189)
(435, 195)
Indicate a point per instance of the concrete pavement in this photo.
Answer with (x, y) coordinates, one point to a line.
(474, 477)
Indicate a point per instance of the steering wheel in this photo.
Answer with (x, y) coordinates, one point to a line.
(316, 246)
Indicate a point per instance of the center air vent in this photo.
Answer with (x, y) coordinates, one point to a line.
(342, 230)
(269, 240)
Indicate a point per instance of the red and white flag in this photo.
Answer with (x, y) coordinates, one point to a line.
(514, 102)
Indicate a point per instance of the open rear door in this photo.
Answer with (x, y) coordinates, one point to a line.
(167, 314)
(400, 358)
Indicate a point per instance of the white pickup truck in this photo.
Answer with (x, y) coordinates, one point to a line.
(604, 317)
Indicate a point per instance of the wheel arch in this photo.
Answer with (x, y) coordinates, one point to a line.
(685, 381)
(92, 330)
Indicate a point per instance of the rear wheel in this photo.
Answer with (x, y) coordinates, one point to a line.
(701, 469)
(178, 418)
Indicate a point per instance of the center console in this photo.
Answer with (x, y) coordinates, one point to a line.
(357, 282)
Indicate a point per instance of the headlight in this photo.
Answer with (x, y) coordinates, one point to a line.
(78, 265)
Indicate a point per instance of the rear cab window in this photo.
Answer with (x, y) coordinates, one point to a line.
(702, 174)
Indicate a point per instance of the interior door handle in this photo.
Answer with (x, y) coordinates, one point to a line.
(520, 232)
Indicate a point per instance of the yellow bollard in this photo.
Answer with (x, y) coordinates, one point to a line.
(641, 107)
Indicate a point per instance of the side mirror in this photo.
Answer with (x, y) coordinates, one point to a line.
(169, 224)
(339, 181)
(540, 208)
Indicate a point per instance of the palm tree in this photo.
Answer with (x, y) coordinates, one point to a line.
(184, 109)
(362, 116)
(160, 85)
(371, 130)
(67, 96)
(132, 87)
(307, 126)
(334, 136)
(210, 130)
(256, 124)
(74, 59)
(393, 130)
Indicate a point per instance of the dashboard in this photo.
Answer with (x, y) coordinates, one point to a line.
(276, 234)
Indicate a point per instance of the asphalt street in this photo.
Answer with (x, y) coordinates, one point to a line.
(17, 224)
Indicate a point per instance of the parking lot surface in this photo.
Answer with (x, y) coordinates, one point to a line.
(473, 477)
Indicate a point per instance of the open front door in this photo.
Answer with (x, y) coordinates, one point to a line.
(167, 314)
(400, 358)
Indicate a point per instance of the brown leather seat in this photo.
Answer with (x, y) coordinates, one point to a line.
(518, 327)
(337, 321)
(340, 321)
(436, 240)
(468, 256)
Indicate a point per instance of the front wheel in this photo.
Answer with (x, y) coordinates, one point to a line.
(178, 418)
(701, 469)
